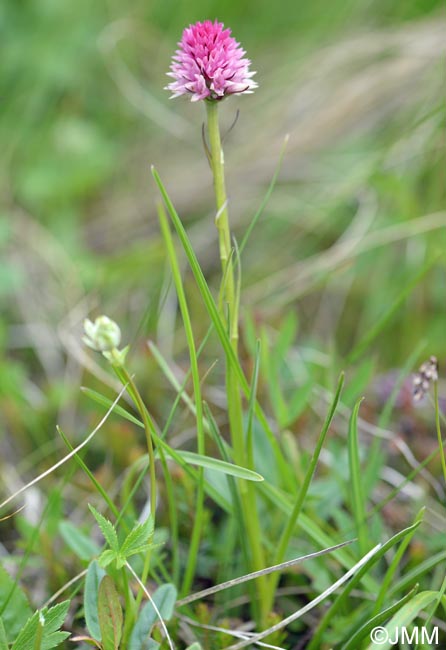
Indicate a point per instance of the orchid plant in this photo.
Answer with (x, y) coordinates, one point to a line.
(210, 66)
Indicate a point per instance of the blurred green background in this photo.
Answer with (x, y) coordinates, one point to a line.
(357, 212)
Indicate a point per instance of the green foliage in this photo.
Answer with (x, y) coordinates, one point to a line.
(404, 617)
(43, 625)
(14, 606)
(82, 545)
(109, 614)
(357, 493)
(95, 574)
(3, 639)
(136, 541)
(164, 600)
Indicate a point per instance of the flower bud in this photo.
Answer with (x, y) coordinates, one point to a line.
(103, 335)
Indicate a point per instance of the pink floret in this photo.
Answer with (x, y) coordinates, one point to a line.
(209, 64)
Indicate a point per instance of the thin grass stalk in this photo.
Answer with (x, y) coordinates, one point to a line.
(358, 499)
(198, 519)
(220, 329)
(297, 508)
(149, 429)
(438, 428)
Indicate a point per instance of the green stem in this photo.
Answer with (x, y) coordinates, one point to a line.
(438, 427)
(222, 217)
(198, 515)
(235, 410)
(130, 609)
(149, 429)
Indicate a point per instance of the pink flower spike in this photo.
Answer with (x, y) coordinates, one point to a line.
(209, 64)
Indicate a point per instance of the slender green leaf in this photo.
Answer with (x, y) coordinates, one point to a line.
(164, 599)
(404, 617)
(101, 399)
(302, 493)
(343, 596)
(266, 198)
(175, 455)
(200, 430)
(218, 465)
(90, 474)
(314, 531)
(218, 324)
(440, 599)
(357, 492)
(395, 563)
(92, 582)
(354, 641)
(251, 407)
(107, 529)
(414, 575)
(110, 614)
(84, 547)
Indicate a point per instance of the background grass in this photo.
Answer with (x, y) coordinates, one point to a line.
(357, 212)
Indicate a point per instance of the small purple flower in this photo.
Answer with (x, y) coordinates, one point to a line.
(209, 64)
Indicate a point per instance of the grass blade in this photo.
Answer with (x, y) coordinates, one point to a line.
(385, 585)
(267, 196)
(341, 599)
(251, 576)
(297, 508)
(404, 617)
(357, 492)
(354, 642)
(217, 322)
(218, 465)
(365, 561)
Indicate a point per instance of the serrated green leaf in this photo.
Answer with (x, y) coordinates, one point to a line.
(92, 582)
(107, 529)
(78, 542)
(107, 557)
(164, 599)
(194, 646)
(137, 538)
(110, 614)
(51, 637)
(54, 640)
(25, 639)
(121, 560)
(55, 616)
(14, 607)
